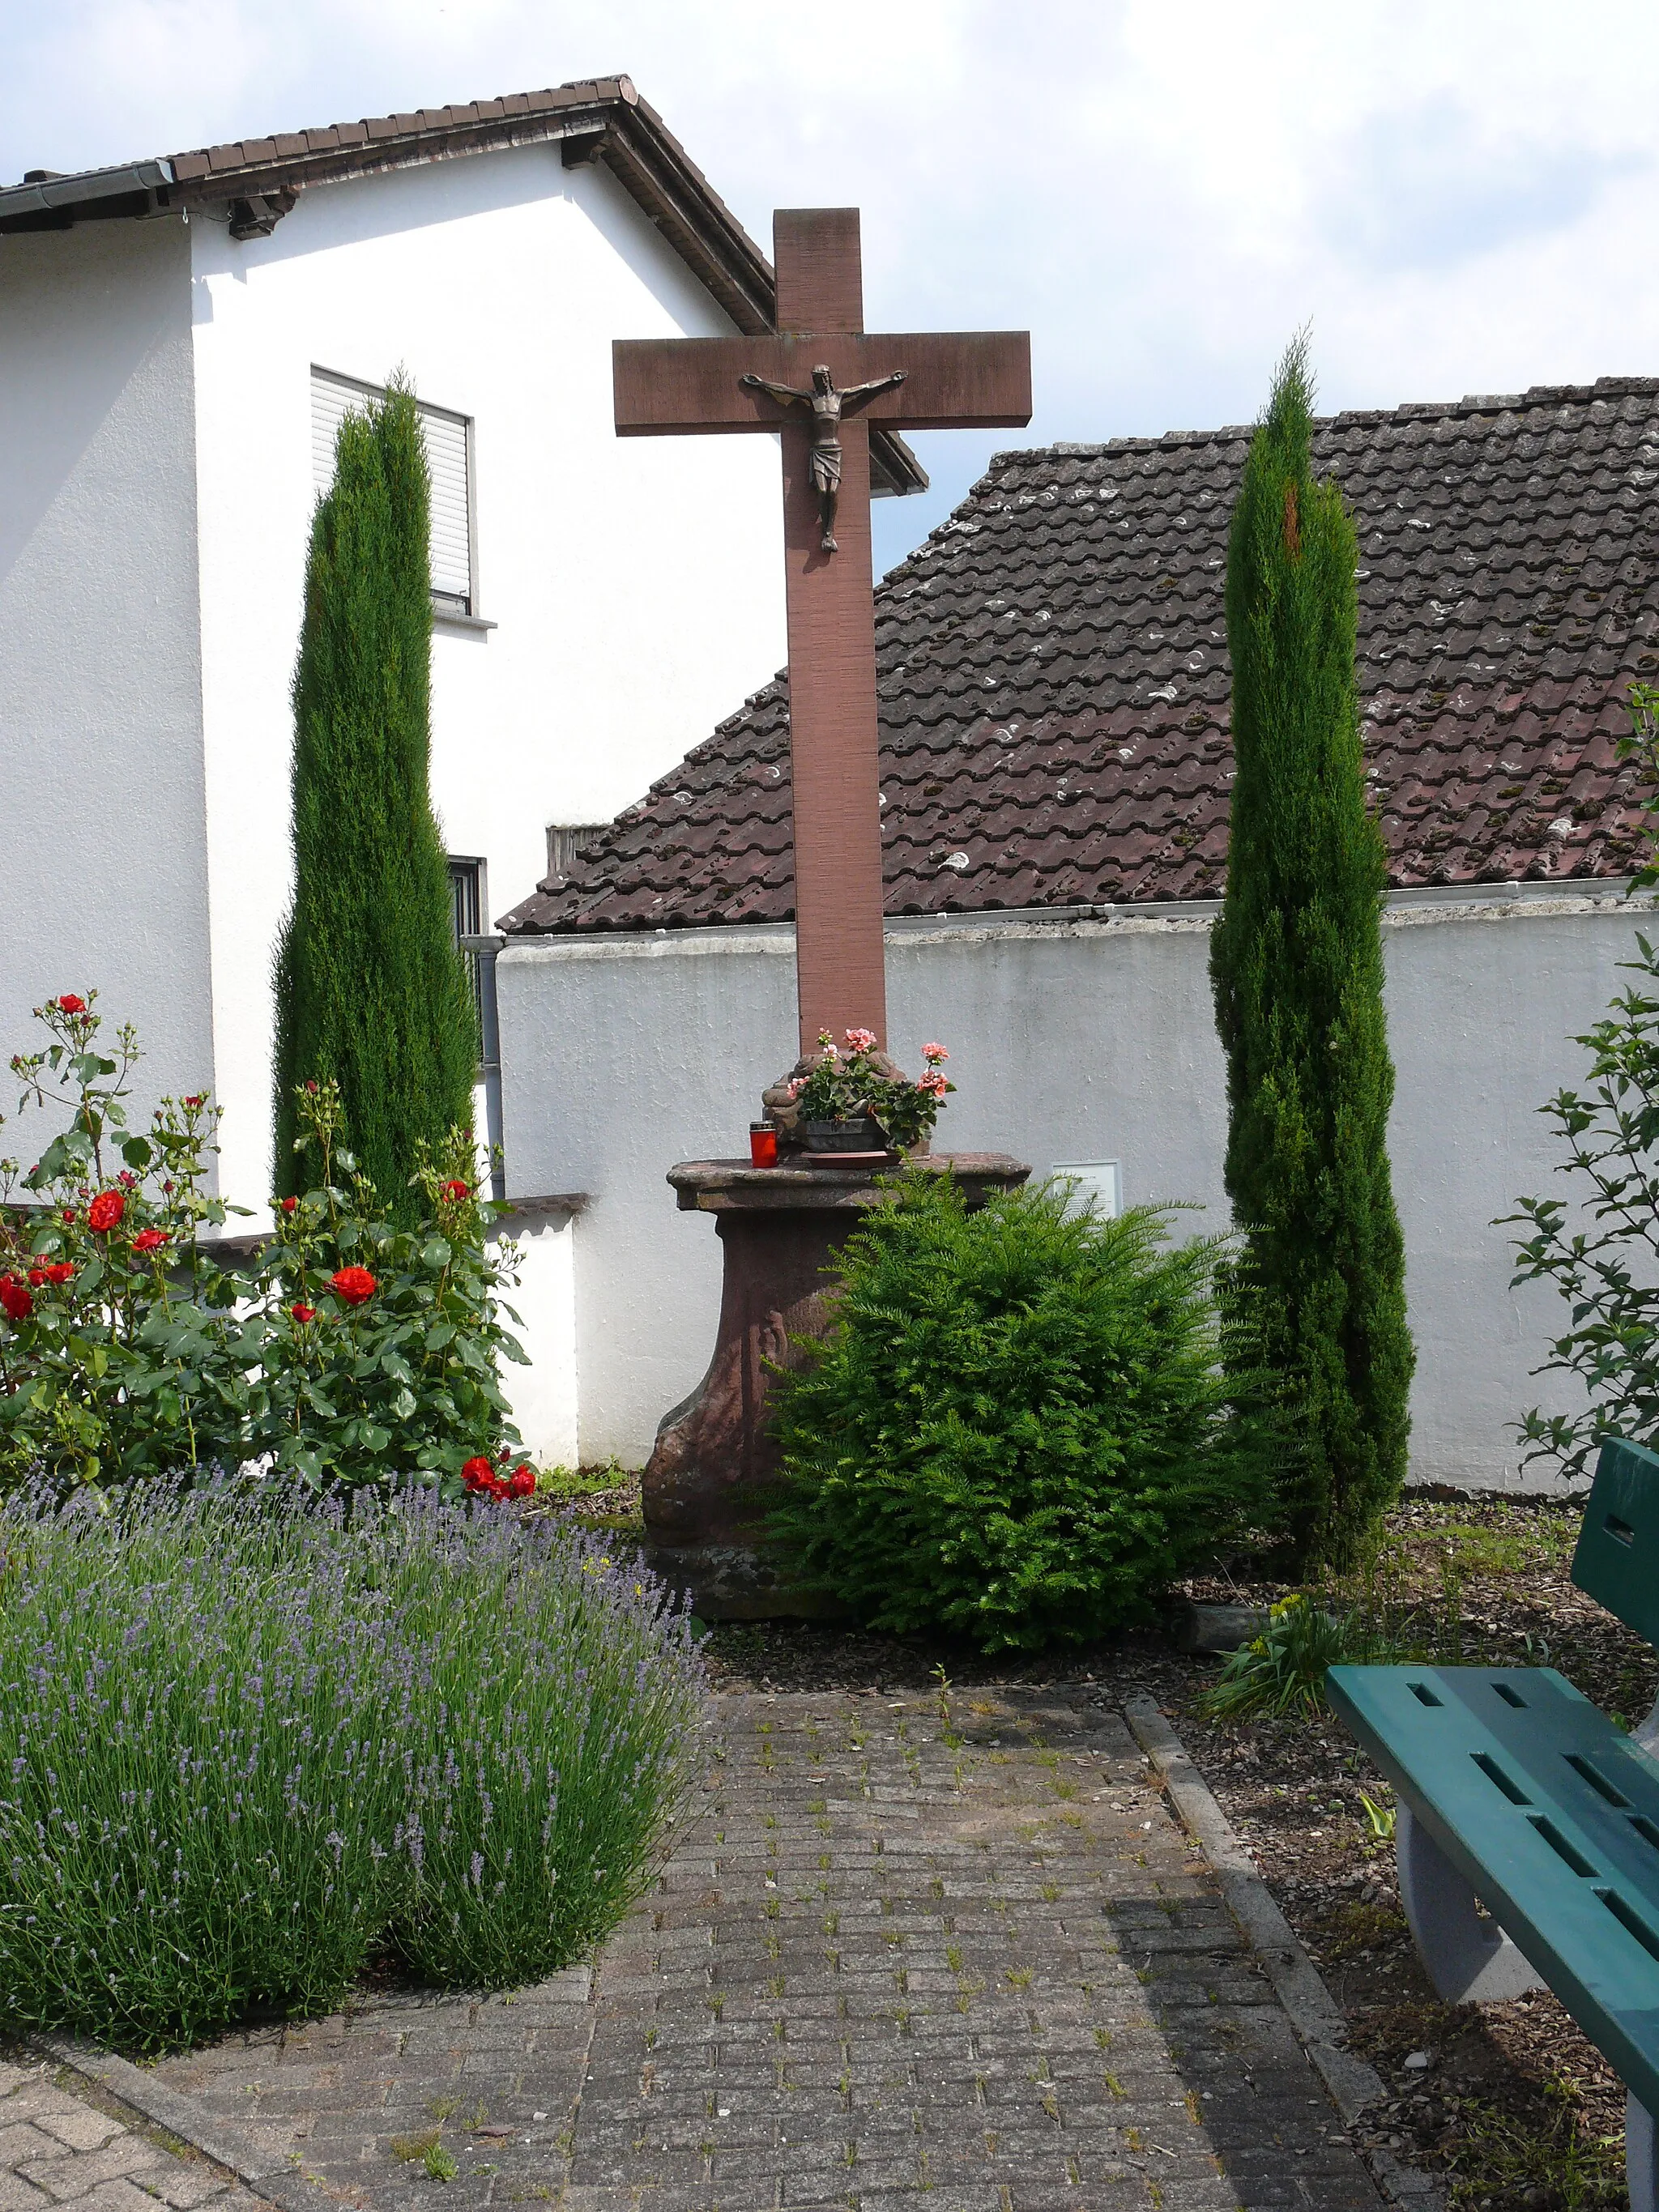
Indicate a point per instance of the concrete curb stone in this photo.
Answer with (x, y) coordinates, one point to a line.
(1355, 2084)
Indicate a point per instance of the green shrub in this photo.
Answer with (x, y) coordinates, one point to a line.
(345, 1349)
(1016, 1430)
(1297, 964)
(1598, 1252)
(370, 989)
(245, 1745)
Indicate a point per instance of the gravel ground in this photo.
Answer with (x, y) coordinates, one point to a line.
(1513, 2105)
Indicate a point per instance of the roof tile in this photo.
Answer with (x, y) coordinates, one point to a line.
(1054, 678)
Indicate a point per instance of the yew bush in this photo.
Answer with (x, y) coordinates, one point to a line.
(1017, 1429)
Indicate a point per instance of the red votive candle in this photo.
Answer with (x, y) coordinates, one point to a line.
(763, 1145)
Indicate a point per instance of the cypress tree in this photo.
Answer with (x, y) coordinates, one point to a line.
(370, 988)
(1297, 968)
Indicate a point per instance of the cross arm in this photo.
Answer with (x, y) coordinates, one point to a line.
(953, 380)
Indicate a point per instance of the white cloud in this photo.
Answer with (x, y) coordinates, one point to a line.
(1459, 198)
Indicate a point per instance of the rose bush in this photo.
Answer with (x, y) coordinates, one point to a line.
(340, 1349)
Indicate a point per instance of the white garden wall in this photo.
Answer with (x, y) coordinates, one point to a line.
(541, 1315)
(1070, 1039)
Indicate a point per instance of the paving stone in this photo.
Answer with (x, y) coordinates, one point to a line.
(184, 2186)
(880, 1971)
(22, 2143)
(36, 2098)
(74, 2175)
(117, 2196)
(82, 2129)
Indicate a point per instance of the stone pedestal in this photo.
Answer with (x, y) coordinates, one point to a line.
(708, 1483)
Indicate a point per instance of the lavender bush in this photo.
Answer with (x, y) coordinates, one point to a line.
(246, 1742)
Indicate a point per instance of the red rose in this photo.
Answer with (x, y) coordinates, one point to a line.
(289, 1205)
(106, 1211)
(70, 1003)
(37, 1276)
(60, 1271)
(16, 1298)
(477, 1474)
(303, 1313)
(148, 1240)
(195, 1101)
(354, 1284)
(127, 1180)
(456, 1191)
(69, 1213)
(522, 1481)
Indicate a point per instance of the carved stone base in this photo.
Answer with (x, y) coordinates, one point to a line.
(709, 1483)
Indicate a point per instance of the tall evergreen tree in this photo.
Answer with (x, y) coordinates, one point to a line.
(1297, 968)
(370, 988)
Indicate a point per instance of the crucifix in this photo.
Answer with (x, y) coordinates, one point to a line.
(821, 382)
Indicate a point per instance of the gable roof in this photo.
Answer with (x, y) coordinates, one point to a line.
(256, 181)
(1054, 678)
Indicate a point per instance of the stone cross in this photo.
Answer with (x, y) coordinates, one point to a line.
(822, 382)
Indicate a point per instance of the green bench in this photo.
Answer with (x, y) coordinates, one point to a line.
(1513, 1789)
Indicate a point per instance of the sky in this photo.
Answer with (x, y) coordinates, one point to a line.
(1460, 196)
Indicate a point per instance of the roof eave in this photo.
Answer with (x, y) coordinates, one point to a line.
(604, 121)
(131, 188)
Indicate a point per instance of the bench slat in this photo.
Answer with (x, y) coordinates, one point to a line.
(1550, 1813)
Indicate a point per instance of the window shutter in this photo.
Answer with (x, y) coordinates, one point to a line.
(452, 538)
(333, 398)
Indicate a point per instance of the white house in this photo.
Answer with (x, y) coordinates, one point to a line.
(177, 339)
(1056, 763)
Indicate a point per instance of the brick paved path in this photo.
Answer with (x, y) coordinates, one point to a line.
(914, 1957)
(58, 2149)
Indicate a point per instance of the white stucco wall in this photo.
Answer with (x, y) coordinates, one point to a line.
(1088, 1040)
(542, 1314)
(636, 586)
(102, 836)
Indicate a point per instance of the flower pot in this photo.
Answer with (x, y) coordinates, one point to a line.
(858, 1133)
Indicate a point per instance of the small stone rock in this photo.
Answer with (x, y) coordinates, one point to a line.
(1417, 2061)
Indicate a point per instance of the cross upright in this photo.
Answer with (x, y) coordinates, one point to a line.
(822, 382)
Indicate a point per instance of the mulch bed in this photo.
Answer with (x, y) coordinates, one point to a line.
(1508, 2102)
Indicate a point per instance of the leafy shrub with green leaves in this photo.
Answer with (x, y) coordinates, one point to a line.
(1599, 1253)
(344, 1349)
(1016, 1428)
(249, 1741)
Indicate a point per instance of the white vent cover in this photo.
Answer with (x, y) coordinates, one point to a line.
(334, 397)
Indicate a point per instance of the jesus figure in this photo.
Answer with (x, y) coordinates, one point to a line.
(828, 406)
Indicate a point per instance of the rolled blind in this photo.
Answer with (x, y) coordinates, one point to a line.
(333, 399)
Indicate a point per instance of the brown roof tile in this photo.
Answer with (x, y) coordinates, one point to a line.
(1053, 677)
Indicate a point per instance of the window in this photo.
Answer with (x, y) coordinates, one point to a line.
(449, 458)
(466, 886)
